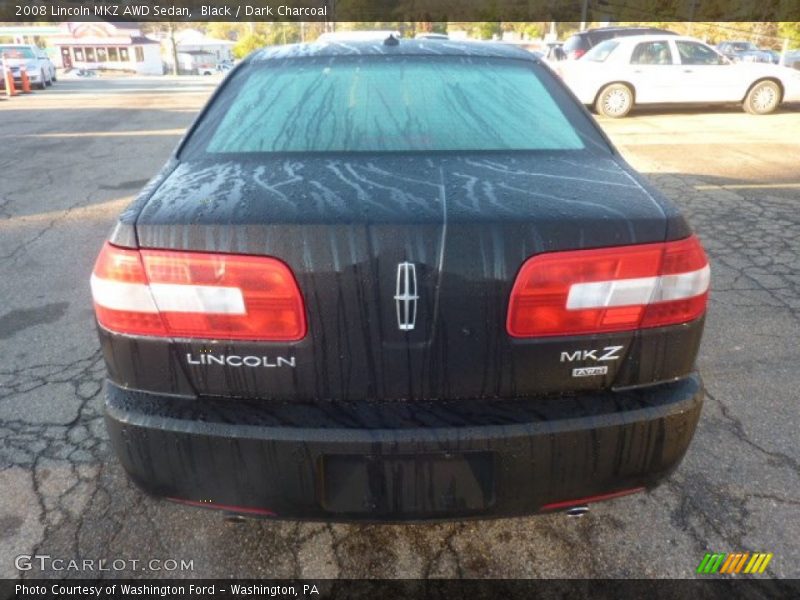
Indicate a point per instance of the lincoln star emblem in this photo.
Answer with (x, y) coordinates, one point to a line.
(406, 297)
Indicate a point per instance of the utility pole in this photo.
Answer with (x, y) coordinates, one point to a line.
(330, 19)
(584, 14)
(174, 48)
(553, 35)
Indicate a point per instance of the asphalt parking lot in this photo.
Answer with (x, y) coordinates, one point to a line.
(73, 156)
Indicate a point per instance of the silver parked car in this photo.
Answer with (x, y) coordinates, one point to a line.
(28, 57)
(50, 68)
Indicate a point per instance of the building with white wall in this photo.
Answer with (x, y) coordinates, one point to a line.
(110, 46)
(191, 40)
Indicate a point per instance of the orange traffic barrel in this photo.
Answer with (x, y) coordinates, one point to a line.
(9, 77)
(26, 81)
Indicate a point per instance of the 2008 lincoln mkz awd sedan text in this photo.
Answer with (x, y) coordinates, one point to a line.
(399, 280)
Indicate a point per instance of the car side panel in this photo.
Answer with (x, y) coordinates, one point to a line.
(710, 83)
(653, 83)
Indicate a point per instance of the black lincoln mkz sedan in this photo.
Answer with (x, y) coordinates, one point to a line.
(399, 281)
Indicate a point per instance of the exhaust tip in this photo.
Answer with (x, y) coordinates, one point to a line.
(577, 511)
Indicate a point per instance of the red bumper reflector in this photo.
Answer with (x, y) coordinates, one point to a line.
(197, 295)
(590, 499)
(609, 289)
(264, 512)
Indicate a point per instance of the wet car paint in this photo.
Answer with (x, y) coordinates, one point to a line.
(342, 224)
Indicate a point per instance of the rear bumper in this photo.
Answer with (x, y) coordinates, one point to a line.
(402, 461)
(791, 92)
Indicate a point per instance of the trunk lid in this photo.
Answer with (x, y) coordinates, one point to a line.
(358, 233)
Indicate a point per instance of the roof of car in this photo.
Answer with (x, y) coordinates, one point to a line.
(633, 39)
(403, 47)
(622, 29)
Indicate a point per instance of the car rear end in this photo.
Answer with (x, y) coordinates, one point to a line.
(397, 284)
(577, 45)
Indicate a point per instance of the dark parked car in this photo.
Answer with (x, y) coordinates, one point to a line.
(580, 43)
(397, 281)
(774, 55)
(554, 51)
(745, 52)
(791, 59)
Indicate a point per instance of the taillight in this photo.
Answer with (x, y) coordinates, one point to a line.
(246, 510)
(197, 295)
(590, 499)
(576, 54)
(609, 289)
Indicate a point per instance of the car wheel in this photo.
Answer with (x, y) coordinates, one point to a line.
(763, 98)
(615, 101)
(42, 84)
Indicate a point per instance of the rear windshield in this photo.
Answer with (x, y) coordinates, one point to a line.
(382, 104)
(601, 52)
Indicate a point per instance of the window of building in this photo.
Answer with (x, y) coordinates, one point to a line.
(113, 56)
(78, 54)
(102, 55)
(123, 55)
(139, 54)
(90, 55)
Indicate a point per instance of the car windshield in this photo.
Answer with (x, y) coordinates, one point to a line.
(601, 52)
(742, 46)
(15, 52)
(387, 104)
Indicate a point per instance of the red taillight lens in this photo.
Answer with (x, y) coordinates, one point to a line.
(264, 512)
(609, 289)
(576, 54)
(122, 299)
(197, 295)
(590, 499)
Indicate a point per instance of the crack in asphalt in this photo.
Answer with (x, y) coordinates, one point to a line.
(737, 429)
(755, 245)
